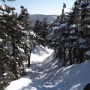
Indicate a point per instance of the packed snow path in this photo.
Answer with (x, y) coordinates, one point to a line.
(46, 74)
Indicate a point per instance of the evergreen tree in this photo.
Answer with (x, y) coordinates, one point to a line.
(16, 42)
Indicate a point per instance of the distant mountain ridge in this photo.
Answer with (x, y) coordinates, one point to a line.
(50, 18)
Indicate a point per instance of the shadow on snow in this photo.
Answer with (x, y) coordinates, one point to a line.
(48, 75)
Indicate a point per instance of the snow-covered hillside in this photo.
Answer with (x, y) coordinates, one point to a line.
(41, 17)
(45, 74)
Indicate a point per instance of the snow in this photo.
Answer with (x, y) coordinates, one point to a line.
(32, 33)
(87, 53)
(1, 40)
(72, 26)
(20, 26)
(29, 32)
(21, 51)
(62, 26)
(81, 40)
(2, 6)
(88, 26)
(72, 31)
(19, 84)
(73, 37)
(55, 28)
(40, 53)
(45, 73)
(51, 33)
(4, 74)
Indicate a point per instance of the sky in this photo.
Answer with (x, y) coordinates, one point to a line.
(47, 7)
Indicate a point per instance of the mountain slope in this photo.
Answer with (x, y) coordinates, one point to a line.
(41, 17)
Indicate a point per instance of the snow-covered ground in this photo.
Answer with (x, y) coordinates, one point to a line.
(45, 74)
(40, 53)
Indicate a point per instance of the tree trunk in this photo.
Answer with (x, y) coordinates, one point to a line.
(15, 70)
(70, 56)
(81, 55)
(64, 57)
(19, 62)
(29, 57)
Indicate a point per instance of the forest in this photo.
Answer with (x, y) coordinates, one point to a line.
(68, 36)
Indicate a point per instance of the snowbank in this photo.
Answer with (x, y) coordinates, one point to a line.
(19, 84)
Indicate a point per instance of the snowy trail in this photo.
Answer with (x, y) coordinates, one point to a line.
(40, 57)
(46, 74)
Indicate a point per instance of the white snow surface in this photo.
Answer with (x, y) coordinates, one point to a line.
(1, 40)
(40, 53)
(87, 53)
(46, 74)
(62, 26)
(2, 6)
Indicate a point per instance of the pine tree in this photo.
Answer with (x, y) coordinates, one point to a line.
(16, 42)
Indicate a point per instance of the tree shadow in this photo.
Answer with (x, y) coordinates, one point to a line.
(42, 74)
(48, 75)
